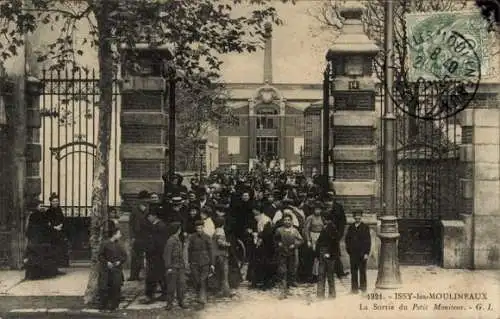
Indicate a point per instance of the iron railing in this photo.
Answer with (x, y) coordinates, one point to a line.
(69, 108)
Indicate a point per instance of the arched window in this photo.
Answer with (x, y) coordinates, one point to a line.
(266, 117)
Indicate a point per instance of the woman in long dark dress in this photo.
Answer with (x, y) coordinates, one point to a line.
(40, 260)
(58, 236)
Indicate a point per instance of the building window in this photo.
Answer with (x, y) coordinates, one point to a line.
(235, 121)
(233, 145)
(354, 65)
(267, 147)
(266, 118)
(298, 145)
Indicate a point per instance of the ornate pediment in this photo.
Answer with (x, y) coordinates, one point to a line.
(267, 95)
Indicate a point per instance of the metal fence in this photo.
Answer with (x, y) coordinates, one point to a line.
(428, 174)
(428, 159)
(69, 108)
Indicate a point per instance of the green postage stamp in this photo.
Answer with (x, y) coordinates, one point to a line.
(447, 45)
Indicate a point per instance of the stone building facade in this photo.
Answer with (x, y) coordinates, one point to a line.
(269, 123)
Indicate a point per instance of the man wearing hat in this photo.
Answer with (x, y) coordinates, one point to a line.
(271, 204)
(176, 211)
(358, 245)
(175, 187)
(327, 251)
(336, 209)
(155, 245)
(137, 235)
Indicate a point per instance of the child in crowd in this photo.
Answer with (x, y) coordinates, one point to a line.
(112, 256)
(287, 239)
(221, 252)
(201, 260)
(175, 266)
(208, 223)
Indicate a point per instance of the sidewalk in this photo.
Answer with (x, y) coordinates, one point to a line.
(63, 295)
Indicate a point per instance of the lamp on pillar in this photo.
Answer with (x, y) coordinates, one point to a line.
(389, 276)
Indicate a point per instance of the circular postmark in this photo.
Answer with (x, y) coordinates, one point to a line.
(446, 75)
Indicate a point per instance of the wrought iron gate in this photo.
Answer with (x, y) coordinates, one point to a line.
(69, 110)
(428, 186)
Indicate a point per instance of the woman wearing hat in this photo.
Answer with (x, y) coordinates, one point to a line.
(40, 261)
(56, 220)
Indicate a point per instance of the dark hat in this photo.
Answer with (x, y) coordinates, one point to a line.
(257, 206)
(220, 207)
(201, 190)
(177, 200)
(112, 228)
(318, 204)
(175, 226)
(144, 194)
(329, 217)
(34, 203)
(53, 196)
(206, 210)
(199, 222)
(357, 213)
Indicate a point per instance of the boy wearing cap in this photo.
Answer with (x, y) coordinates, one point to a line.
(287, 239)
(358, 245)
(111, 258)
(201, 260)
(175, 266)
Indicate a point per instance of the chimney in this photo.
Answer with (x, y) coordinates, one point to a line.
(268, 53)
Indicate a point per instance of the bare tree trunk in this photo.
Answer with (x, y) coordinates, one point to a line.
(101, 168)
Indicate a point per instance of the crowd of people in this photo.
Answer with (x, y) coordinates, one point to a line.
(281, 227)
(284, 227)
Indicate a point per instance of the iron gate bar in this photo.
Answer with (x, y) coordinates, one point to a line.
(76, 95)
(428, 165)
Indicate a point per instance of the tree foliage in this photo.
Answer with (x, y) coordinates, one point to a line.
(201, 110)
(199, 30)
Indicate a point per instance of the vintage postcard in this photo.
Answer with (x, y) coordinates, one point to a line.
(265, 159)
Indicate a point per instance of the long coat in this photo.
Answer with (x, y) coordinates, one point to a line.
(358, 240)
(155, 244)
(328, 242)
(111, 251)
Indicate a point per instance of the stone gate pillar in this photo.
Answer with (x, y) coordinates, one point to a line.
(143, 122)
(481, 184)
(354, 122)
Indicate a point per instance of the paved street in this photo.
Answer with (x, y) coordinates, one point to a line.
(257, 304)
